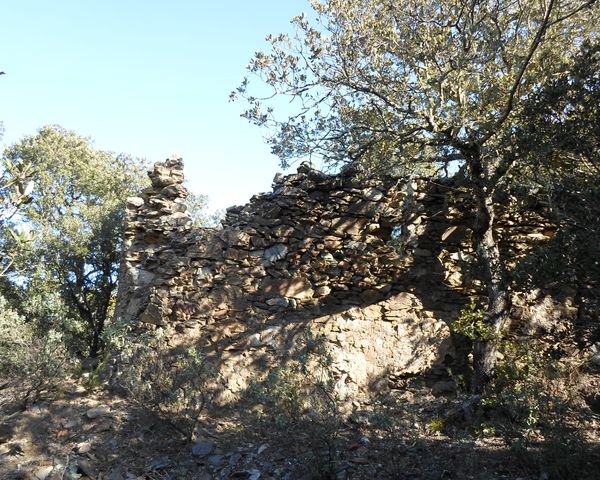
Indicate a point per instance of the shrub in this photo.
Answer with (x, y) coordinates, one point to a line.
(168, 381)
(471, 324)
(301, 387)
(530, 403)
(436, 426)
(300, 395)
(35, 363)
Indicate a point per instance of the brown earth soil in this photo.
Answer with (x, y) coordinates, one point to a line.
(81, 434)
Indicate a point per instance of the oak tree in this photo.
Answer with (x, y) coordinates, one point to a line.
(75, 219)
(396, 86)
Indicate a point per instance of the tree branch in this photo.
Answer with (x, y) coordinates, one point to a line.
(517, 83)
(583, 6)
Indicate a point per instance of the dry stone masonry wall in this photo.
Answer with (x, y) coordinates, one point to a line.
(378, 269)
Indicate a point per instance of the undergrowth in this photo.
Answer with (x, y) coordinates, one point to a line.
(34, 364)
(300, 397)
(170, 382)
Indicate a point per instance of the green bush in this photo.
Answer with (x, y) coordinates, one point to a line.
(471, 324)
(436, 426)
(168, 381)
(300, 395)
(34, 363)
(531, 404)
(283, 395)
(48, 311)
(302, 386)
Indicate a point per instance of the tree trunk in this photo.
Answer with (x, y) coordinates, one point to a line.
(95, 344)
(496, 315)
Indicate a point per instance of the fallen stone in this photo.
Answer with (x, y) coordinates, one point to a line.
(43, 473)
(97, 412)
(215, 460)
(278, 302)
(360, 460)
(443, 387)
(83, 447)
(252, 474)
(116, 474)
(202, 449)
(261, 449)
(234, 458)
(85, 467)
(465, 412)
(159, 463)
(72, 423)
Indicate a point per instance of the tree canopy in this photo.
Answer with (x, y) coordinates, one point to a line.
(399, 87)
(75, 220)
(16, 186)
(394, 84)
(558, 146)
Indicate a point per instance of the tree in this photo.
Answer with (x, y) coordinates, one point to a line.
(558, 144)
(559, 126)
(395, 85)
(197, 208)
(16, 186)
(75, 216)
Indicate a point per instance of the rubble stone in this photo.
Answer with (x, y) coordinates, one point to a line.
(376, 268)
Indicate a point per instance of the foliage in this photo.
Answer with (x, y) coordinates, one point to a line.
(33, 363)
(46, 311)
(301, 395)
(282, 392)
(197, 206)
(531, 404)
(563, 115)
(396, 85)
(169, 382)
(559, 135)
(15, 189)
(436, 426)
(75, 217)
(304, 385)
(471, 324)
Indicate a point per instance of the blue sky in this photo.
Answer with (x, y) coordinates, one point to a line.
(145, 77)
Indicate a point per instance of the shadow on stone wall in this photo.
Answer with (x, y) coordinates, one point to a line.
(377, 268)
(357, 262)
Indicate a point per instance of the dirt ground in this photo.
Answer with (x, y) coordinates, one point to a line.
(76, 434)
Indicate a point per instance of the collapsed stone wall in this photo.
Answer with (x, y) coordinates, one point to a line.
(376, 268)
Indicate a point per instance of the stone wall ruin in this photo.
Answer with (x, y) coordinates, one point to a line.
(377, 268)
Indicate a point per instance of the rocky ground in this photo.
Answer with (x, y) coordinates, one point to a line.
(90, 434)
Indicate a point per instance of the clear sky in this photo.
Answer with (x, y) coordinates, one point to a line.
(145, 77)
